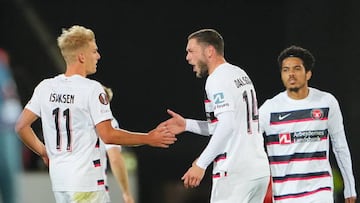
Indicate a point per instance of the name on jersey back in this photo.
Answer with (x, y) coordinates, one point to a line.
(62, 98)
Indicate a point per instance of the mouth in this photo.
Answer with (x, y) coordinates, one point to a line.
(292, 81)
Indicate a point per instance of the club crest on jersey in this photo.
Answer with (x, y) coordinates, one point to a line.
(317, 114)
(285, 138)
(103, 99)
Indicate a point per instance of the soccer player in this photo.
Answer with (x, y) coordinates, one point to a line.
(240, 165)
(10, 146)
(117, 162)
(298, 124)
(75, 113)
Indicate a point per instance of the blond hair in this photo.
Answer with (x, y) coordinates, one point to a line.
(73, 39)
(109, 92)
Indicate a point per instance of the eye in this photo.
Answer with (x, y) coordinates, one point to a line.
(298, 68)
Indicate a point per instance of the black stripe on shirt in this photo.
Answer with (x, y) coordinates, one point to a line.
(220, 157)
(297, 157)
(299, 176)
(97, 163)
(277, 118)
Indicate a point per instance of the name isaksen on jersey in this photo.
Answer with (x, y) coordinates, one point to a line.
(62, 98)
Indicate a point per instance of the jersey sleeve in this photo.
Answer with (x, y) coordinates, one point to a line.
(263, 116)
(197, 126)
(99, 105)
(217, 142)
(34, 102)
(109, 146)
(340, 147)
(219, 92)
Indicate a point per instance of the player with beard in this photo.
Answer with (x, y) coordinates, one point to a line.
(298, 125)
(240, 166)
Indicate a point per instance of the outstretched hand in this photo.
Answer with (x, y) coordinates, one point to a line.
(176, 124)
(161, 137)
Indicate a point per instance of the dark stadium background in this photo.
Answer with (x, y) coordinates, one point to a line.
(142, 45)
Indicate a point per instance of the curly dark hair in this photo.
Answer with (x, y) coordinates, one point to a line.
(299, 52)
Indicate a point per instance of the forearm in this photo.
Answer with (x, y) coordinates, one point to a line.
(344, 162)
(158, 137)
(30, 139)
(129, 138)
(121, 176)
(119, 170)
(215, 147)
(124, 137)
(197, 126)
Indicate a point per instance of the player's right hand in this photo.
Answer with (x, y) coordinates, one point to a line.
(176, 124)
(161, 137)
(45, 159)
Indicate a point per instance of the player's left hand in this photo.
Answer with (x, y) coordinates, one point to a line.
(128, 198)
(350, 200)
(193, 176)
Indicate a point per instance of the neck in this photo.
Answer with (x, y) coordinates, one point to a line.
(302, 93)
(75, 70)
(216, 63)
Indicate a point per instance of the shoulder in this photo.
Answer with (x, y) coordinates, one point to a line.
(96, 84)
(45, 82)
(324, 95)
(226, 73)
(227, 68)
(88, 81)
(272, 103)
(87, 84)
(276, 100)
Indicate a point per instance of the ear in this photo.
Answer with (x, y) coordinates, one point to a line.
(209, 51)
(81, 57)
(308, 75)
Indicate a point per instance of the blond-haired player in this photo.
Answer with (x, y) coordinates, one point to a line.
(75, 113)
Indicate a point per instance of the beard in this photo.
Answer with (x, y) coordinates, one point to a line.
(297, 89)
(203, 70)
(294, 89)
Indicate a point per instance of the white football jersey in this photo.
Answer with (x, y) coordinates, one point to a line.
(297, 134)
(69, 108)
(242, 152)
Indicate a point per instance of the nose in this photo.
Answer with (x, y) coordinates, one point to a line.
(187, 57)
(292, 72)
